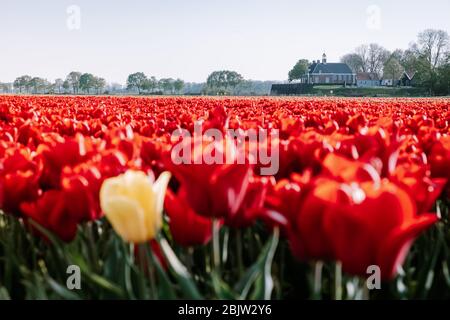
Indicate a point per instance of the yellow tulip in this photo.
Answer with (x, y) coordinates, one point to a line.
(133, 204)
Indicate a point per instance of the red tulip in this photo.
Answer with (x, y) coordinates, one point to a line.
(359, 225)
(54, 213)
(186, 226)
(440, 158)
(19, 179)
(58, 152)
(283, 200)
(214, 189)
(416, 180)
(252, 206)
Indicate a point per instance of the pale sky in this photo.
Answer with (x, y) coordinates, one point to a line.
(261, 39)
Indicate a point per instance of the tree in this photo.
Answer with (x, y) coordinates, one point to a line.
(87, 82)
(38, 84)
(443, 82)
(22, 83)
(409, 58)
(299, 70)
(243, 88)
(369, 58)
(73, 79)
(362, 53)
(59, 83)
(99, 84)
(5, 87)
(433, 45)
(432, 50)
(178, 85)
(167, 85)
(428, 58)
(150, 84)
(392, 69)
(136, 81)
(354, 61)
(223, 80)
(377, 57)
(66, 85)
(49, 87)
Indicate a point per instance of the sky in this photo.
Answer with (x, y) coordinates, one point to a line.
(188, 39)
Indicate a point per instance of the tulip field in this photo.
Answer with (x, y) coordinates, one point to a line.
(119, 198)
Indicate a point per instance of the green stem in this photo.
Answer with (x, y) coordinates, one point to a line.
(216, 245)
(365, 291)
(92, 247)
(268, 282)
(239, 252)
(338, 281)
(144, 257)
(318, 267)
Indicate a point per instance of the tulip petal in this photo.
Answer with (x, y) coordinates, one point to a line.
(159, 190)
(127, 218)
(395, 247)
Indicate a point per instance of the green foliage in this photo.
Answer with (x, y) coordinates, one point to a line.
(22, 83)
(86, 82)
(369, 92)
(222, 82)
(73, 80)
(392, 69)
(136, 81)
(33, 265)
(299, 70)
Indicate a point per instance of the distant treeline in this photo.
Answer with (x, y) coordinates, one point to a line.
(223, 82)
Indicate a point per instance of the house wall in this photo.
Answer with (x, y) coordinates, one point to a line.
(332, 78)
(368, 83)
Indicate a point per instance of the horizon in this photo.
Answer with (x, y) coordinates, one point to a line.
(261, 40)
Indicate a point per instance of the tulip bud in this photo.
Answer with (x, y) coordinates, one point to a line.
(133, 204)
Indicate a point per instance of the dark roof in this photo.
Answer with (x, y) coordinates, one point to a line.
(367, 76)
(409, 75)
(332, 68)
(312, 66)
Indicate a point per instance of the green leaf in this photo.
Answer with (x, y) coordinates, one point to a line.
(165, 287)
(4, 295)
(259, 273)
(62, 291)
(222, 290)
(185, 281)
(105, 284)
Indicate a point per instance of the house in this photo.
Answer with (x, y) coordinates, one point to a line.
(367, 79)
(385, 82)
(322, 72)
(407, 79)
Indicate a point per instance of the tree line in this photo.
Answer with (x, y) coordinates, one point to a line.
(222, 82)
(75, 82)
(427, 58)
(141, 83)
